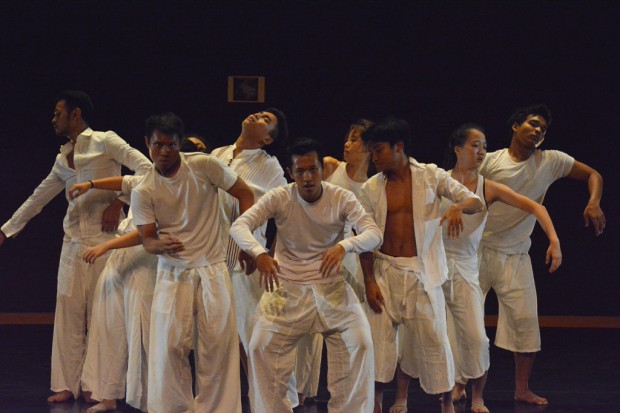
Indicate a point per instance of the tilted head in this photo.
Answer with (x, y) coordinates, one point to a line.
(389, 142)
(529, 125)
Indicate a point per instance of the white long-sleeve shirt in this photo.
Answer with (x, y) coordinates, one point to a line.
(428, 185)
(96, 155)
(306, 231)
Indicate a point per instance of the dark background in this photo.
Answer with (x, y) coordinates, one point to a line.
(436, 64)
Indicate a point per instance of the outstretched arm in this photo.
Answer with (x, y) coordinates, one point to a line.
(498, 192)
(113, 183)
(127, 240)
(593, 212)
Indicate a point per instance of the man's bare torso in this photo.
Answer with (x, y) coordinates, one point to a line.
(399, 236)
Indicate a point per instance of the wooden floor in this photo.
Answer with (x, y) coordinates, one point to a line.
(578, 371)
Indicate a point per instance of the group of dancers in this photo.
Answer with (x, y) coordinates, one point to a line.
(385, 259)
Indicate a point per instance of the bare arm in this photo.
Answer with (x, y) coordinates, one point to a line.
(498, 192)
(154, 245)
(454, 215)
(113, 183)
(127, 240)
(593, 212)
(373, 292)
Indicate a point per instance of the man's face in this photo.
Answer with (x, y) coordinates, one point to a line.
(61, 122)
(531, 132)
(307, 172)
(258, 126)
(164, 151)
(384, 156)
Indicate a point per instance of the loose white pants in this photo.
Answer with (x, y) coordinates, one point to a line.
(512, 278)
(184, 298)
(293, 311)
(468, 339)
(76, 287)
(422, 316)
(119, 336)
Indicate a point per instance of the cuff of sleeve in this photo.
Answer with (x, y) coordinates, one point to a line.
(347, 245)
(8, 231)
(256, 251)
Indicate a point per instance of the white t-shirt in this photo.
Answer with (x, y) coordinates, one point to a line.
(261, 172)
(306, 231)
(508, 228)
(186, 206)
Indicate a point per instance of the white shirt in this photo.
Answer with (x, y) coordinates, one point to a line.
(508, 229)
(306, 231)
(428, 185)
(464, 249)
(341, 178)
(185, 206)
(96, 155)
(261, 172)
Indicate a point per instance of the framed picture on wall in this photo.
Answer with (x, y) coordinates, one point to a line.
(246, 89)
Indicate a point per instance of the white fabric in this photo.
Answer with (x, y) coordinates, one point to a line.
(293, 311)
(422, 316)
(184, 206)
(341, 178)
(322, 223)
(428, 185)
(464, 298)
(193, 306)
(96, 155)
(512, 278)
(261, 172)
(119, 337)
(508, 229)
(74, 297)
(505, 265)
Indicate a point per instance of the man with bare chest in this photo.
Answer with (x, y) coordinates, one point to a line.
(403, 278)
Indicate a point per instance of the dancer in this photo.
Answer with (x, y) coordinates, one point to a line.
(89, 220)
(306, 290)
(505, 263)
(403, 285)
(348, 174)
(175, 208)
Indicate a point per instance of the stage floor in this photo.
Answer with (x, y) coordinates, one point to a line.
(578, 371)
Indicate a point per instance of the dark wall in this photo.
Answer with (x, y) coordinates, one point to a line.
(435, 64)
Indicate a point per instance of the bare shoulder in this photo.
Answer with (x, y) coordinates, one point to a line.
(329, 166)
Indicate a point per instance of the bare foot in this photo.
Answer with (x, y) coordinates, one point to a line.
(378, 408)
(530, 397)
(458, 393)
(302, 398)
(104, 406)
(60, 397)
(477, 406)
(399, 406)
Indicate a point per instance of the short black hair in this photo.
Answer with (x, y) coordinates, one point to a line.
(521, 114)
(458, 138)
(279, 134)
(77, 99)
(390, 130)
(304, 146)
(168, 123)
(189, 146)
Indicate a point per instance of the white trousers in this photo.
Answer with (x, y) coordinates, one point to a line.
(310, 348)
(119, 336)
(184, 300)
(512, 278)
(468, 339)
(422, 315)
(293, 311)
(74, 296)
